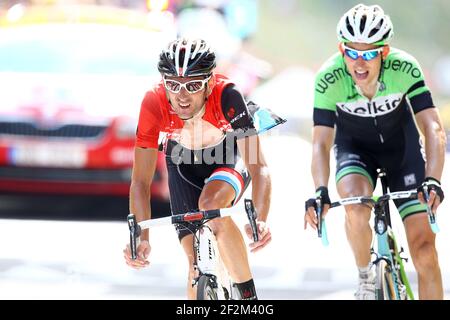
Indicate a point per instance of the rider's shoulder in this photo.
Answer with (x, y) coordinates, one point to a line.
(332, 70)
(221, 82)
(399, 54)
(154, 96)
(334, 62)
(400, 61)
(332, 76)
(402, 68)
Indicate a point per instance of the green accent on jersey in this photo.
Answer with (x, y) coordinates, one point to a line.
(418, 91)
(353, 169)
(334, 84)
(410, 207)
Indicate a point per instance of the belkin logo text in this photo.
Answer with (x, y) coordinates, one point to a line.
(376, 107)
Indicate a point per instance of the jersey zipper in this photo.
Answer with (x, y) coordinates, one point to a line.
(376, 126)
(369, 101)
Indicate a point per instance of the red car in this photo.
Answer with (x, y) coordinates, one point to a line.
(70, 98)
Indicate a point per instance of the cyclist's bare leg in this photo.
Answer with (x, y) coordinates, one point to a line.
(359, 233)
(187, 244)
(219, 194)
(421, 241)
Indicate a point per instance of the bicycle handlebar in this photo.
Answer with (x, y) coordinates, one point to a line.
(410, 194)
(136, 228)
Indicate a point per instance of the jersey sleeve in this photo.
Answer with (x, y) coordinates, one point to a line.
(246, 119)
(148, 129)
(235, 110)
(417, 91)
(324, 113)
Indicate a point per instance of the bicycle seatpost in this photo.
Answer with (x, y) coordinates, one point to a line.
(135, 232)
(251, 215)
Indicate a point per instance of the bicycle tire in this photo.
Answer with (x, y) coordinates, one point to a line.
(207, 288)
(385, 285)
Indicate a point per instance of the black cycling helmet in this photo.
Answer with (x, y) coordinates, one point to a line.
(187, 58)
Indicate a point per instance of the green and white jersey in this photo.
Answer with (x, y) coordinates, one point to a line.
(401, 88)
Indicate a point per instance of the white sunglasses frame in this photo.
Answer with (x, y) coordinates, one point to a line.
(183, 85)
(361, 52)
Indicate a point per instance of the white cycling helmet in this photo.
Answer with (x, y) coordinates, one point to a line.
(365, 24)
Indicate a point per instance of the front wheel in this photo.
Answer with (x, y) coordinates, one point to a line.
(207, 288)
(385, 285)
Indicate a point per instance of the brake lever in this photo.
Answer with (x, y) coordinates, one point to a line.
(135, 232)
(431, 215)
(321, 226)
(251, 215)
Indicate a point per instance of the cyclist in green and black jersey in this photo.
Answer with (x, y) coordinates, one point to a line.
(372, 99)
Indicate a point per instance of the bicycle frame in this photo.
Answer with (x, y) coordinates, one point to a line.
(207, 261)
(387, 248)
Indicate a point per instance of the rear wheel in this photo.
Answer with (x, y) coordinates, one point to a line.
(385, 285)
(207, 288)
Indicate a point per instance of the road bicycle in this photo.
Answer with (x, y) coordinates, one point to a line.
(391, 281)
(213, 281)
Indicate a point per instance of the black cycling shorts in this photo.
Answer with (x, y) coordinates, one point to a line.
(190, 170)
(401, 157)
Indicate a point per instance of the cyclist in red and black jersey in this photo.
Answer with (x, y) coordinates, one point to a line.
(212, 153)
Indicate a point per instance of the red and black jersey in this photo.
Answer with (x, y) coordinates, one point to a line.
(225, 109)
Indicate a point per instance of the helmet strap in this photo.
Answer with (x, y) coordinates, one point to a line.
(382, 86)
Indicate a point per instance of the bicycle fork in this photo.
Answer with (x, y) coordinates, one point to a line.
(207, 262)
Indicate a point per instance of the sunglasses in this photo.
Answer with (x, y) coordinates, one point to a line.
(367, 55)
(190, 86)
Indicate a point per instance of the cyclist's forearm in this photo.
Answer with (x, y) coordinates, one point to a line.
(261, 192)
(435, 145)
(320, 165)
(140, 204)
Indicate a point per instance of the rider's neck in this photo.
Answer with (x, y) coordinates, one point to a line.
(196, 117)
(369, 90)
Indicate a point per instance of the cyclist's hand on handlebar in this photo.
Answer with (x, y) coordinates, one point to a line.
(311, 216)
(143, 251)
(311, 207)
(264, 236)
(435, 193)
